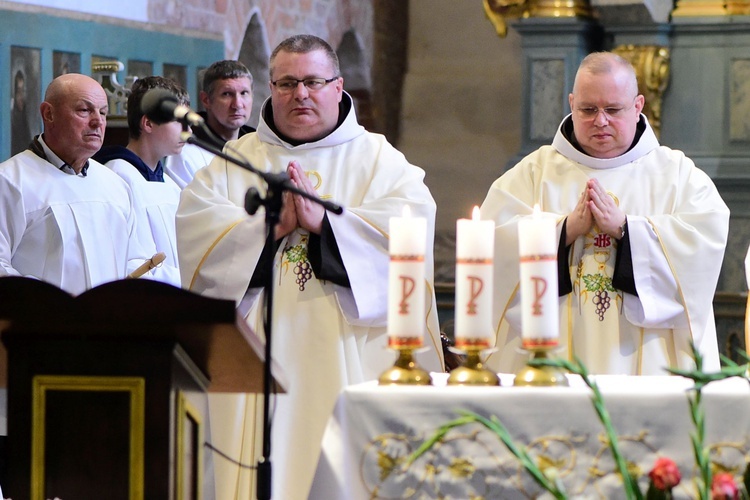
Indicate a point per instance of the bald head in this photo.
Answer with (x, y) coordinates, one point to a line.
(64, 84)
(605, 105)
(74, 112)
(608, 63)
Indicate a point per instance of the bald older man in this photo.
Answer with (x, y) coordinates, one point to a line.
(67, 219)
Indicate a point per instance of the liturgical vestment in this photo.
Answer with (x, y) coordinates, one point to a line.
(73, 231)
(155, 204)
(677, 226)
(325, 335)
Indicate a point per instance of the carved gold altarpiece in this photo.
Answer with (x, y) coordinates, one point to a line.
(699, 8)
(651, 65)
(497, 11)
(651, 62)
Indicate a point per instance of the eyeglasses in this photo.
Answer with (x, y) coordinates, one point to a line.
(591, 112)
(287, 85)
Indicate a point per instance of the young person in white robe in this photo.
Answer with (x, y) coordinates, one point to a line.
(227, 97)
(331, 271)
(642, 233)
(140, 164)
(67, 219)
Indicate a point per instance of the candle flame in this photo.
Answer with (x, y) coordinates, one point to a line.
(406, 212)
(475, 214)
(537, 210)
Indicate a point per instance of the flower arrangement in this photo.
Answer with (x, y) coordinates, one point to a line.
(664, 475)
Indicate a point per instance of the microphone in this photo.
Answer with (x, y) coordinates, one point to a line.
(162, 106)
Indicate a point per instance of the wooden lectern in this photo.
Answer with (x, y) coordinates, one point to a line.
(107, 390)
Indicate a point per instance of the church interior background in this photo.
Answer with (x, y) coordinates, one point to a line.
(463, 89)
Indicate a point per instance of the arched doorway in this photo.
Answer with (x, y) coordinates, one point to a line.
(254, 53)
(356, 73)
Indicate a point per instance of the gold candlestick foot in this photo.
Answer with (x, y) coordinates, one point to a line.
(473, 371)
(405, 371)
(540, 376)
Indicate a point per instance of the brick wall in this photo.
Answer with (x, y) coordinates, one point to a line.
(329, 19)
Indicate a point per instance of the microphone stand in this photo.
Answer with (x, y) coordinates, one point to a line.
(277, 184)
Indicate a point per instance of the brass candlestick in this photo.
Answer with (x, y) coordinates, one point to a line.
(540, 376)
(472, 371)
(405, 371)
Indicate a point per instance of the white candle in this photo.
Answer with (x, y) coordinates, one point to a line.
(537, 245)
(406, 284)
(475, 244)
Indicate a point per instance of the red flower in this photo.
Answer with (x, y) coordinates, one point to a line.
(665, 475)
(724, 488)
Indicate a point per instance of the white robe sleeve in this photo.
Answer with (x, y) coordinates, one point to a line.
(218, 243)
(181, 168)
(12, 225)
(168, 271)
(677, 257)
(140, 243)
(364, 251)
(362, 236)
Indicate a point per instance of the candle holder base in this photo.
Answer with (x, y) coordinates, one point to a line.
(405, 371)
(540, 376)
(472, 371)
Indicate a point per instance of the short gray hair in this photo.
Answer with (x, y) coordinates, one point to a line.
(302, 44)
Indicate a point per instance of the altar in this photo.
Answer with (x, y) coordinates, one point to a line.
(374, 429)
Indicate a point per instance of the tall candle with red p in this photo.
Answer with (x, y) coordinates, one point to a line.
(537, 245)
(475, 244)
(406, 281)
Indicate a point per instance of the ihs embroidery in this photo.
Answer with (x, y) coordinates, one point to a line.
(599, 282)
(297, 255)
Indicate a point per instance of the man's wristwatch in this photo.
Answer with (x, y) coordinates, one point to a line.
(622, 229)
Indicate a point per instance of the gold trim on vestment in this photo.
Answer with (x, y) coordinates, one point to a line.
(436, 343)
(208, 252)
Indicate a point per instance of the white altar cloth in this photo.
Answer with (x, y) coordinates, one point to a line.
(375, 428)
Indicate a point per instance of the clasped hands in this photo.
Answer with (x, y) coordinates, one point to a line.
(594, 206)
(296, 210)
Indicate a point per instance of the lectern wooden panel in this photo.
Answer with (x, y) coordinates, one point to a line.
(106, 391)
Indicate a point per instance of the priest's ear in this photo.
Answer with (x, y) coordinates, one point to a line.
(639, 103)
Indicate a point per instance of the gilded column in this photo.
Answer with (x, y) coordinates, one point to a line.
(698, 8)
(651, 64)
(497, 11)
(738, 7)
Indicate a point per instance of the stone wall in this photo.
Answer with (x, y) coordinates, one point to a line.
(461, 118)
